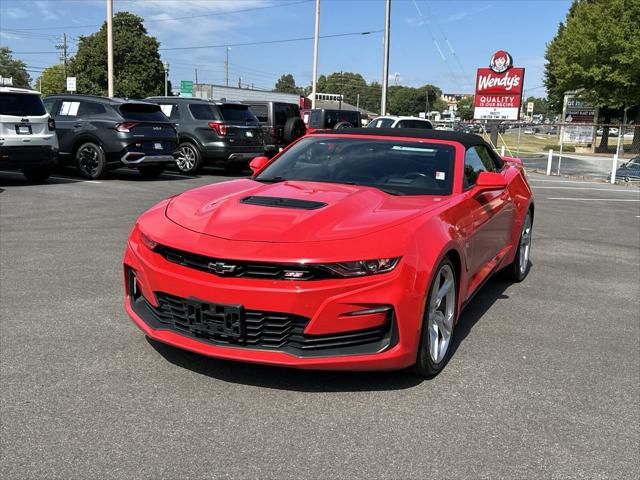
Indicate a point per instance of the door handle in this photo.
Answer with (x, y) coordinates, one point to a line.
(77, 125)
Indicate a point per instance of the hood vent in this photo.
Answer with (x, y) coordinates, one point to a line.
(280, 202)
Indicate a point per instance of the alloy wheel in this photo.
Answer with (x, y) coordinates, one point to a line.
(186, 159)
(442, 309)
(525, 244)
(88, 160)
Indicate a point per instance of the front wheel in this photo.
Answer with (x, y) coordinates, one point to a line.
(521, 265)
(151, 171)
(440, 314)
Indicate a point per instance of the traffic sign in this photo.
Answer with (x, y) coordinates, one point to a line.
(71, 84)
(529, 107)
(186, 88)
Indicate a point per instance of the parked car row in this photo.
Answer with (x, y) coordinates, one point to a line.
(97, 134)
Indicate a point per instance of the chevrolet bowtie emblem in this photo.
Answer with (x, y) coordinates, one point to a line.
(221, 267)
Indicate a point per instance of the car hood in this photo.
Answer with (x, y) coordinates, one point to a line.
(347, 211)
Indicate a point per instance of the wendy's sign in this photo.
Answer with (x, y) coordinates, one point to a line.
(499, 89)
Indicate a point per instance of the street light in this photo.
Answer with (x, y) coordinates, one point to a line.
(110, 48)
(385, 65)
(315, 57)
(166, 79)
(226, 68)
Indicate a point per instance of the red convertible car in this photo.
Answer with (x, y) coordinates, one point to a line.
(351, 249)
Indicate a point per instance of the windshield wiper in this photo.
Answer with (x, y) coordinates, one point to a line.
(275, 179)
(390, 191)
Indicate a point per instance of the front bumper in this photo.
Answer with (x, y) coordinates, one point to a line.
(307, 324)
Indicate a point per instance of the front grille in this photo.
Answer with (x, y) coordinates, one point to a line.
(254, 329)
(240, 268)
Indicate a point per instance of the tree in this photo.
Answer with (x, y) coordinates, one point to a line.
(597, 50)
(15, 69)
(52, 80)
(411, 101)
(287, 84)
(138, 71)
(465, 108)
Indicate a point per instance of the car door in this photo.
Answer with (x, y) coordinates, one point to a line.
(66, 117)
(492, 211)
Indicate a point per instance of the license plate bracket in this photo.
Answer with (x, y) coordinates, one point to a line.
(217, 320)
(23, 129)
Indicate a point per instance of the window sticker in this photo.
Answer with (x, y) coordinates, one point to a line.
(166, 109)
(69, 109)
(440, 175)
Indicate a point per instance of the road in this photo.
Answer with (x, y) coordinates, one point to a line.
(544, 381)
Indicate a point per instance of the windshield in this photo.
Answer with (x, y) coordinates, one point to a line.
(397, 167)
(21, 105)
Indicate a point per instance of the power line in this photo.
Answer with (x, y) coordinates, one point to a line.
(169, 19)
(269, 42)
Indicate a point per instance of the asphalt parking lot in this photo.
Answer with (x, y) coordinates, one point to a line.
(544, 381)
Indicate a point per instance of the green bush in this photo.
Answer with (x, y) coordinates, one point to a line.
(565, 148)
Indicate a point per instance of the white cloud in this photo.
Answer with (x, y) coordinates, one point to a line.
(9, 36)
(45, 10)
(16, 13)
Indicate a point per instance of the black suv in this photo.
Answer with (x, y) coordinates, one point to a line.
(326, 118)
(212, 133)
(281, 123)
(97, 134)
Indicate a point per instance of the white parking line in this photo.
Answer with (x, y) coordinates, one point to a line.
(596, 199)
(563, 181)
(79, 180)
(626, 190)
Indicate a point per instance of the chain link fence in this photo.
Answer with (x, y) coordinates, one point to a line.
(581, 150)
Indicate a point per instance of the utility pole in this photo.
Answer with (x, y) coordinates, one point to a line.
(314, 81)
(426, 112)
(64, 58)
(110, 49)
(166, 79)
(226, 68)
(358, 102)
(385, 65)
(239, 82)
(196, 76)
(341, 89)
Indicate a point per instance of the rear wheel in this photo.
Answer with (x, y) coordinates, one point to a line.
(235, 168)
(294, 128)
(521, 265)
(91, 161)
(188, 158)
(342, 125)
(440, 314)
(37, 175)
(151, 171)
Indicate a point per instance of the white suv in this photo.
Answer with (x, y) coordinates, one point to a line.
(27, 134)
(389, 121)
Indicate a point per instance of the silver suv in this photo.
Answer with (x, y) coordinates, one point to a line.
(27, 134)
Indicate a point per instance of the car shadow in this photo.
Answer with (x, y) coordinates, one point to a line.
(489, 294)
(16, 179)
(283, 378)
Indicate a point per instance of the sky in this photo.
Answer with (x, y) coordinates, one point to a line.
(441, 42)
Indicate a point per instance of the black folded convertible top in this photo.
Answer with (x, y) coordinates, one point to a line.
(466, 139)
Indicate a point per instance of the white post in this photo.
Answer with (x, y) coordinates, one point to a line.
(314, 80)
(549, 161)
(502, 151)
(385, 63)
(561, 145)
(614, 168)
(110, 48)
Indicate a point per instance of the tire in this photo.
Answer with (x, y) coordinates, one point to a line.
(91, 161)
(342, 125)
(188, 158)
(294, 128)
(235, 168)
(521, 265)
(438, 323)
(37, 174)
(151, 171)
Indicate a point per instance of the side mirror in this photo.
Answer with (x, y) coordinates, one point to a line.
(257, 163)
(490, 181)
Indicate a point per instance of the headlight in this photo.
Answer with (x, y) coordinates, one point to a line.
(361, 268)
(147, 242)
